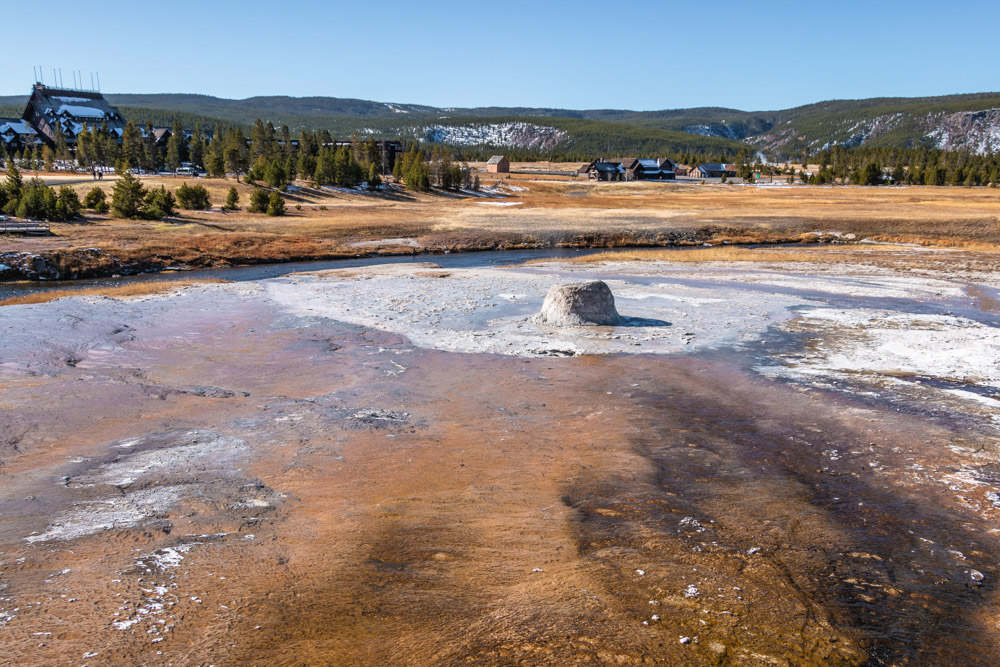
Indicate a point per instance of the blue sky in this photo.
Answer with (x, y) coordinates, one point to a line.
(583, 54)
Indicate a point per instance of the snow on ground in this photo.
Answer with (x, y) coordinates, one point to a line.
(165, 558)
(109, 514)
(196, 449)
(176, 459)
(514, 134)
(874, 283)
(408, 241)
(879, 341)
(490, 310)
(975, 131)
(939, 361)
(871, 329)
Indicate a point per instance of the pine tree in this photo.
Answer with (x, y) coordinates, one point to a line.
(372, 154)
(287, 149)
(150, 159)
(127, 197)
(324, 173)
(274, 174)
(307, 165)
(62, 150)
(259, 201)
(415, 171)
(197, 147)
(173, 159)
(445, 173)
(342, 166)
(258, 141)
(235, 152)
(215, 165)
(275, 205)
(14, 182)
(68, 203)
(232, 200)
(133, 149)
(157, 204)
(256, 170)
(193, 197)
(12, 188)
(95, 197)
(97, 152)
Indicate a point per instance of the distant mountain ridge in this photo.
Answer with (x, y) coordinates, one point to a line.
(954, 122)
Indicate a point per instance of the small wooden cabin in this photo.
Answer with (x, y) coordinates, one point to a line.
(498, 164)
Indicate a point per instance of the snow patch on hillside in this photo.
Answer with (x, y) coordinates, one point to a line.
(865, 130)
(975, 131)
(511, 134)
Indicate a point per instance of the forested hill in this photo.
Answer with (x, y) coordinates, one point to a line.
(954, 122)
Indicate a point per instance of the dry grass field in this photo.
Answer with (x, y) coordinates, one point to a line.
(982, 260)
(112, 291)
(521, 210)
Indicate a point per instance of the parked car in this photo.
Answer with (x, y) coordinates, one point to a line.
(186, 171)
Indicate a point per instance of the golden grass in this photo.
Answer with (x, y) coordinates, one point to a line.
(570, 212)
(819, 254)
(973, 246)
(113, 291)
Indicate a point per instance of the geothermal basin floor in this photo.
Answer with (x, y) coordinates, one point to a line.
(772, 464)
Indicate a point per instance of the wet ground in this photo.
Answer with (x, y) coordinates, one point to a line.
(221, 476)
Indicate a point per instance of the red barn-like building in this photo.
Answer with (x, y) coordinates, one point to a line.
(498, 164)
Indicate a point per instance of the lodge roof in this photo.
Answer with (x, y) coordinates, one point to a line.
(15, 126)
(607, 166)
(70, 109)
(625, 162)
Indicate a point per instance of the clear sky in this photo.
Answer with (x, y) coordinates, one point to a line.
(582, 54)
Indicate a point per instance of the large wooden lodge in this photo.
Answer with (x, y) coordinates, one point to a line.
(53, 111)
(630, 169)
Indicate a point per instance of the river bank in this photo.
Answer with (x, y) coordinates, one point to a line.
(102, 262)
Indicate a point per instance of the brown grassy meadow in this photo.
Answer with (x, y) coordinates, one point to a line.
(112, 291)
(538, 211)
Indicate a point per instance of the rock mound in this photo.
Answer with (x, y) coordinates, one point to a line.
(579, 304)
